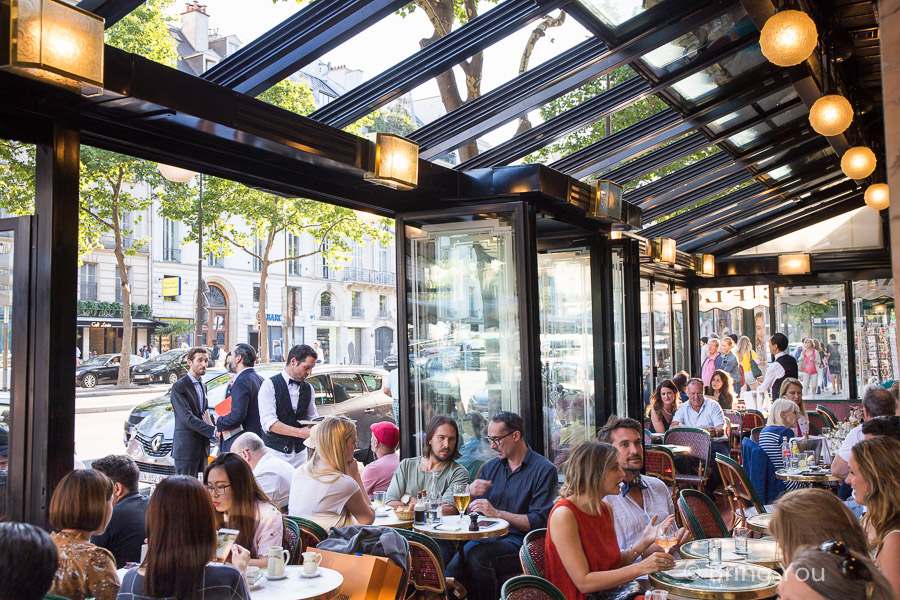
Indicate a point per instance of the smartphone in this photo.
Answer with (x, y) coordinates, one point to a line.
(225, 539)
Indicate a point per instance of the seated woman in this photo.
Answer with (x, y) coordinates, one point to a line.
(874, 468)
(242, 505)
(832, 571)
(181, 545)
(582, 554)
(792, 389)
(81, 506)
(782, 425)
(721, 389)
(834, 520)
(328, 489)
(663, 403)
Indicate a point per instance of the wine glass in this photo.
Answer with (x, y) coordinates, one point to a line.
(667, 536)
(461, 497)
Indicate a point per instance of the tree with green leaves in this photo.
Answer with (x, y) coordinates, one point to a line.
(113, 187)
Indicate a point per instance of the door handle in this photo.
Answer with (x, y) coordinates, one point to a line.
(369, 411)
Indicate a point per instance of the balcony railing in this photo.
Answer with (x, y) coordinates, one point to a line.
(369, 276)
(384, 313)
(88, 290)
(357, 312)
(326, 312)
(171, 254)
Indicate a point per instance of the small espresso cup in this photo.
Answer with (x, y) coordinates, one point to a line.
(311, 562)
(254, 574)
(278, 557)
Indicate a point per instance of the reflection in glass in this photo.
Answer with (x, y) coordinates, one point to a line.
(681, 348)
(662, 332)
(463, 325)
(818, 313)
(875, 329)
(732, 119)
(704, 83)
(646, 342)
(6, 290)
(748, 137)
(564, 281)
(614, 13)
(799, 165)
(618, 281)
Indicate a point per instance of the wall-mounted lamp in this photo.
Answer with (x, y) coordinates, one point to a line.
(615, 235)
(793, 264)
(663, 250)
(705, 265)
(51, 41)
(607, 200)
(396, 162)
(175, 174)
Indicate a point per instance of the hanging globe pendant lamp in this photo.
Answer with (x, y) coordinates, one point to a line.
(831, 115)
(858, 162)
(788, 38)
(878, 196)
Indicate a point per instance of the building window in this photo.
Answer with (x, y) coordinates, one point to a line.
(258, 250)
(326, 310)
(88, 274)
(384, 312)
(171, 243)
(385, 264)
(215, 261)
(293, 249)
(256, 295)
(119, 283)
(323, 262)
(357, 304)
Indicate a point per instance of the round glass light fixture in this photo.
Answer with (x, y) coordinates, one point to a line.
(788, 38)
(175, 174)
(366, 217)
(858, 162)
(831, 115)
(878, 196)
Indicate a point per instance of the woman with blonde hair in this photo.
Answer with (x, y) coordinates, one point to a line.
(874, 465)
(834, 520)
(582, 554)
(747, 356)
(782, 425)
(832, 571)
(792, 389)
(328, 489)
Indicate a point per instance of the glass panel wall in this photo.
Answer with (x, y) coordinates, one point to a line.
(875, 331)
(7, 241)
(646, 342)
(567, 346)
(618, 280)
(665, 341)
(462, 294)
(815, 321)
(680, 348)
(662, 333)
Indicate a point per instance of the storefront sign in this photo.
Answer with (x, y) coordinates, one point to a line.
(101, 324)
(273, 318)
(747, 297)
(171, 286)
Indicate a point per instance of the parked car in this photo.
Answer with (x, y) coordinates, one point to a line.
(348, 390)
(168, 367)
(103, 368)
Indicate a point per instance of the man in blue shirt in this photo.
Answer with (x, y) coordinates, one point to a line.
(704, 413)
(519, 486)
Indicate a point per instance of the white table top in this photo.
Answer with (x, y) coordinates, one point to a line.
(391, 520)
(294, 587)
(456, 527)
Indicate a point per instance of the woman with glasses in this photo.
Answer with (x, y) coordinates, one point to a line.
(874, 469)
(181, 548)
(832, 571)
(241, 504)
(328, 489)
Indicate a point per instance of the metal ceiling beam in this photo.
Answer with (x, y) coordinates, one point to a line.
(450, 50)
(676, 179)
(658, 158)
(546, 82)
(656, 130)
(712, 185)
(112, 11)
(297, 41)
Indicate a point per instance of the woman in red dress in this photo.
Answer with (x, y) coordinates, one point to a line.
(582, 554)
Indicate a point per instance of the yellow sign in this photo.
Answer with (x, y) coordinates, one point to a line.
(171, 286)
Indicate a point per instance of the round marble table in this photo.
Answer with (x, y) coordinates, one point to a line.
(295, 587)
(738, 581)
(761, 552)
(807, 476)
(760, 523)
(456, 528)
(391, 520)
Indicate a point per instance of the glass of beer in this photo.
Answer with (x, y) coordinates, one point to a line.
(461, 497)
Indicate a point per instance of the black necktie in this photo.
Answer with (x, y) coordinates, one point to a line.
(634, 483)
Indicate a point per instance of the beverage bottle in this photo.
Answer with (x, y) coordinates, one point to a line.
(419, 509)
(795, 455)
(786, 453)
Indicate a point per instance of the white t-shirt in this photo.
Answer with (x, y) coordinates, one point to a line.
(321, 502)
(854, 437)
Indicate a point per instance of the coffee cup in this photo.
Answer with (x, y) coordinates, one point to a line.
(254, 574)
(278, 557)
(311, 562)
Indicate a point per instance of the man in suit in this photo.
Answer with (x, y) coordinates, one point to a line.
(244, 415)
(126, 530)
(193, 424)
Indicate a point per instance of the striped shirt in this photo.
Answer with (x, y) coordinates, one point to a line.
(770, 439)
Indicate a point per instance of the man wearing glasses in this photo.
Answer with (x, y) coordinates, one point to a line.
(519, 486)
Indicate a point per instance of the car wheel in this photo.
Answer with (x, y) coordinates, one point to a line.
(89, 381)
(171, 378)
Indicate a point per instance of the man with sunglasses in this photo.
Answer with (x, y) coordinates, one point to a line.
(519, 486)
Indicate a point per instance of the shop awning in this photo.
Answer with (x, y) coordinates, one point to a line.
(107, 322)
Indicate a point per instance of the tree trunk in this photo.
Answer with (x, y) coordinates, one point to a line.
(261, 314)
(124, 378)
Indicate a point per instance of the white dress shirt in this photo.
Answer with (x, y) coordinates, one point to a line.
(630, 519)
(267, 413)
(774, 372)
(854, 436)
(274, 477)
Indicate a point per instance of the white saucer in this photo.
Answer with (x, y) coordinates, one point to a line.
(381, 513)
(273, 578)
(258, 585)
(311, 575)
(680, 574)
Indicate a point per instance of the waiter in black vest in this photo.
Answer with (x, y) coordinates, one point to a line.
(783, 365)
(284, 401)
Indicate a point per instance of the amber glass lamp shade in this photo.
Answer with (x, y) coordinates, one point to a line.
(705, 265)
(366, 217)
(858, 162)
(788, 38)
(396, 162)
(878, 196)
(663, 250)
(51, 41)
(793, 264)
(831, 115)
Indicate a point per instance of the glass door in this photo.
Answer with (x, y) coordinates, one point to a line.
(662, 332)
(567, 346)
(681, 342)
(618, 280)
(876, 332)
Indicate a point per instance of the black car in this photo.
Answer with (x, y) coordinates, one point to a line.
(168, 367)
(103, 368)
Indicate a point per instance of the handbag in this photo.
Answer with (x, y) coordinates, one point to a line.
(754, 368)
(626, 591)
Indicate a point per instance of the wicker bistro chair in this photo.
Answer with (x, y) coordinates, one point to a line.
(817, 420)
(754, 434)
(751, 419)
(292, 533)
(737, 433)
(531, 554)
(529, 587)
(700, 516)
(648, 439)
(311, 534)
(426, 567)
(828, 415)
(739, 489)
(701, 446)
(660, 462)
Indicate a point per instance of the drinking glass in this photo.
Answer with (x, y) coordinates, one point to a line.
(667, 537)
(378, 498)
(461, 497)
(434, 511)
(741, 534)
(826, 432)
(714, 553)
(658, 595)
